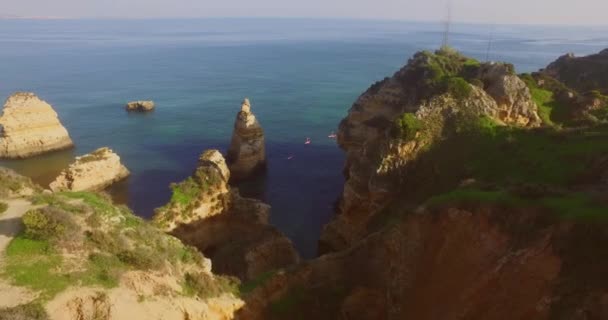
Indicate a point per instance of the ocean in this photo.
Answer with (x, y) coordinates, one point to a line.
(301, 75)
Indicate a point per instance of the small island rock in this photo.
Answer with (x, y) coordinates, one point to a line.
(91, 172)
(247, 153)
(141, 106)
(29, 126)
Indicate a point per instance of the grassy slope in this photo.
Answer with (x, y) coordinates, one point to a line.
(110, 240)
(569, 205)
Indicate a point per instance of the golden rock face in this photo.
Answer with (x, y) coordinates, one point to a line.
(29, 127)
(91, 172)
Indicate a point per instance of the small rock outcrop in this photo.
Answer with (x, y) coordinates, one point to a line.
(91, 172)
(29, 126)
(231, 230)
(247, 154)
(140, 106)
(513, 98)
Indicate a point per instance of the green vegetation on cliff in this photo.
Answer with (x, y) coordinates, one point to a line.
(561, 106)
(28, 311)
(12, 184)
(551, 111)
(565, 205)
(496, 157)
(205, 185)
(443, 71)
(408, 126)
(83, 239)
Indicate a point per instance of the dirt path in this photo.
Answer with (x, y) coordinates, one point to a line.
(10, 225)
(10, 221)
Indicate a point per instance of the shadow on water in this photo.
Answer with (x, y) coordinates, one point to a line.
(148, 188)
(301, 190)
(42, 169)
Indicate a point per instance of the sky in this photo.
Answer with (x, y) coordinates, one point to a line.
(560, 12)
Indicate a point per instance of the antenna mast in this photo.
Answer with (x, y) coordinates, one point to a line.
(489, 45)
(448, 21)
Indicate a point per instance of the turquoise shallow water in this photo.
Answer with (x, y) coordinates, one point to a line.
(301, 76)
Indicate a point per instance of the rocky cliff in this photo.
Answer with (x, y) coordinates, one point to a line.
(247, 152)
(92, 172)
(231, 230)
(461, 202)
(581, 73)
(29, 126)
(398, 117)
(456, 261)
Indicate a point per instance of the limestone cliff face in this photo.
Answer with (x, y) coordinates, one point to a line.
(454, 262)
(29, 126)
(240, 242)
(92, 172)
(231, 230)
(375, 154)
(247, 152)
(512, 96)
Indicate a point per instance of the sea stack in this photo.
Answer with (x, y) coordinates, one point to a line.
(29, 126)
(92, 172)
(140, 106)
(247, 153)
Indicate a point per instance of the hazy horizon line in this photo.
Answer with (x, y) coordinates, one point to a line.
(461, 22)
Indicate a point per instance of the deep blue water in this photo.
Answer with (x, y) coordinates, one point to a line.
(300, 75)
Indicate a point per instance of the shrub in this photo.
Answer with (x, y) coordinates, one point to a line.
(29, 311)
(408, 126)
(478, 83)
(111, 242)
(191, 254)
(248, 287)
(47, 223)
(457, 86)
(141, 258)
(205, 285)
(3, 207)
(184, 192)
(57, 201)
(103, 270)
